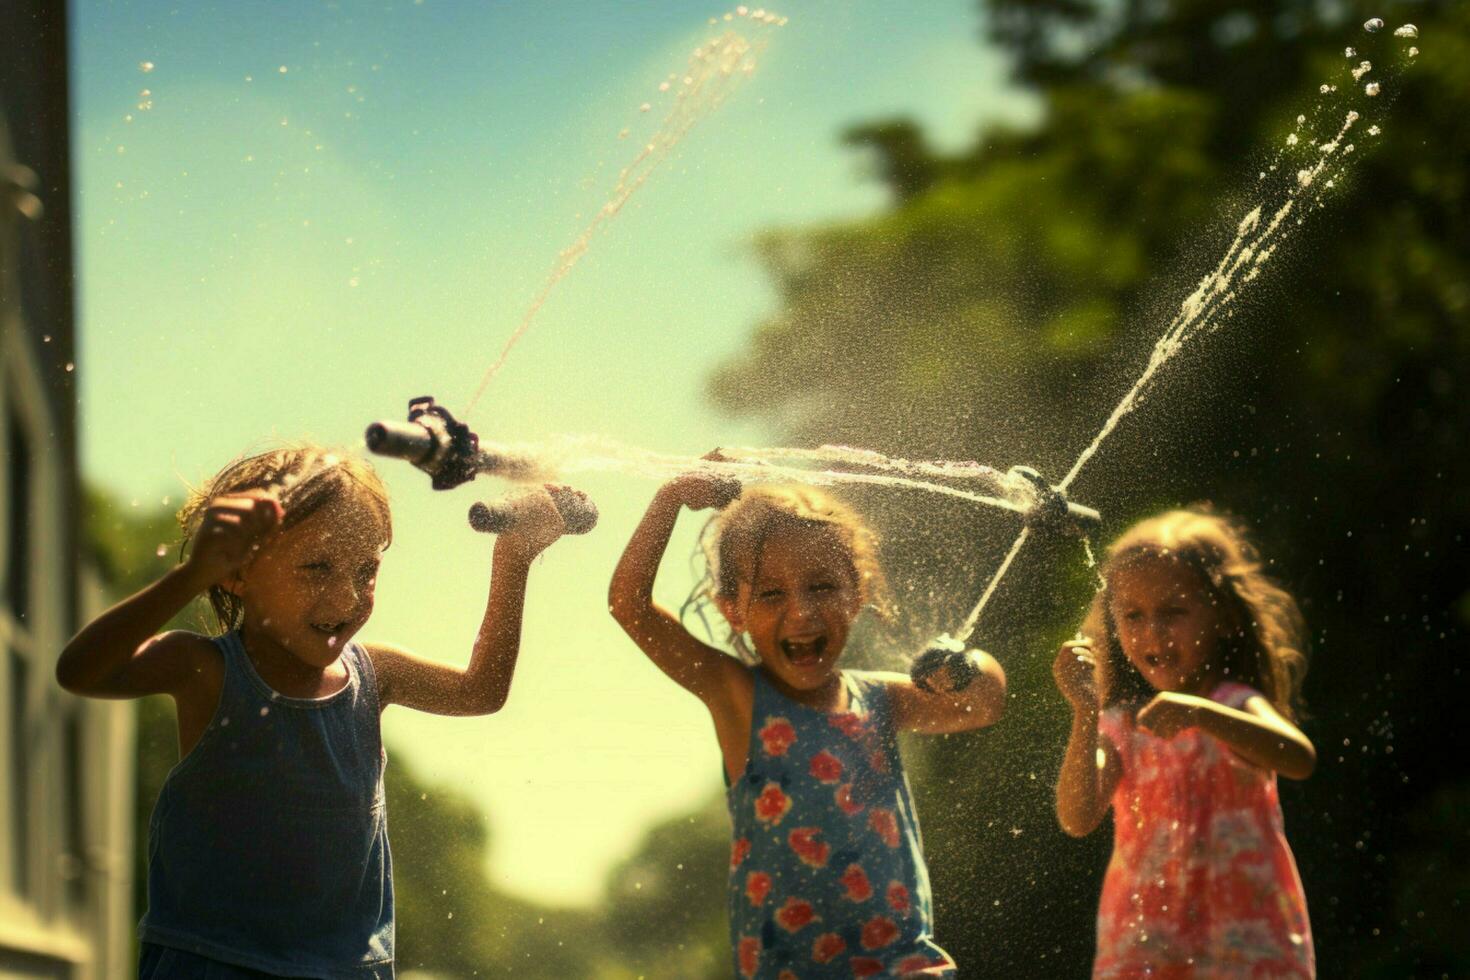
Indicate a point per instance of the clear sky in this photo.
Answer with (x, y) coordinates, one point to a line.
(319, 210)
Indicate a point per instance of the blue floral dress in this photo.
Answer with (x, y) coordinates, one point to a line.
(827, 874)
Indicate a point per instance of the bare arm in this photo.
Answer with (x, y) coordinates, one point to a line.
(1258, 734)
(942, 710)
(702, 670)
(117, 655)
(482, 687)
(1091, 767)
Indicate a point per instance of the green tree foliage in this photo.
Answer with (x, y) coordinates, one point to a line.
(664, 906)
(1010, 295)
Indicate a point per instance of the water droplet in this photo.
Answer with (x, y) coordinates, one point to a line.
(1373, 25)
(145, 66)
(1413, 52)
(1374, 130)
(1291, 140)
(742, 10)
(1304, 178)
(1408, 30)
(1363, 68)
(162, 550)
(1350, 53)
(331, 641)
(623, 133)
(70, 367)
(282, 69)
(45, 338)
(264, 711)
(1325, 89)
(663, 86)
(1370, 89)
(645, 107)
(1300, 120)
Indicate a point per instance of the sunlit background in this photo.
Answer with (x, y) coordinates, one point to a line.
(946, 229)
(309, 219)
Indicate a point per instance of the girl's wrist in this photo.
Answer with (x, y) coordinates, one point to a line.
(192, 577)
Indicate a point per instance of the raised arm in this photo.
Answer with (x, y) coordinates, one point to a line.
(702, 670)
(117, 655)
(966, 690)
(481, 688)
(1091, 767)
(1257, 732)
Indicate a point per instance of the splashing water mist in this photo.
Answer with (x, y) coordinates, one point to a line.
(714, 70)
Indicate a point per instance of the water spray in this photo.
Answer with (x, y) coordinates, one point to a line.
(445, 448)
(1050, 512)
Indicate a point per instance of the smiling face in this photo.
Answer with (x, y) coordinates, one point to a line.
(1166, 623)
(311, 587)
(797, 599)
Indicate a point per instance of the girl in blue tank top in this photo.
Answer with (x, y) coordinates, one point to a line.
(268, 846)
(827, 874)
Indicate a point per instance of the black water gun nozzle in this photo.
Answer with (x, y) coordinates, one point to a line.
(1052, 511)
(433, 440)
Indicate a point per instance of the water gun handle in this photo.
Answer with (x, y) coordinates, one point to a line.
(577, 512)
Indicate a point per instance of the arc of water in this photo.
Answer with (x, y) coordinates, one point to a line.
(1198, 313)
(603, 455)
(713, 71)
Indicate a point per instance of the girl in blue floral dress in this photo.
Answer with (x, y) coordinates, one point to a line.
(827, 875)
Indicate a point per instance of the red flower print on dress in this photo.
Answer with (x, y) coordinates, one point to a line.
(813, 853)
(878, 932)
(845, 800)
(878, 760)
(795, 915)
(757, 887)
(898, 897)
(826, 767)
(847, 723)
(738, 852)
(772, 804)
(922, 965)
(777, 736)
(865, 966)
(855, 880)
(884, 824)
(827, 947)
(748, 953)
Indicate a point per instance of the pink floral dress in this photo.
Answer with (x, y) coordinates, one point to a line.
(1201, 882)
(827, 875)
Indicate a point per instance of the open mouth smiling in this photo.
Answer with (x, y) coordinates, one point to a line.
(804, 651)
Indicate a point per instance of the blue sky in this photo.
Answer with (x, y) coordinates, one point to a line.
(269, 254)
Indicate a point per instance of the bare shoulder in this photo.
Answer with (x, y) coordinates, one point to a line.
(390, 662)
(187, 666)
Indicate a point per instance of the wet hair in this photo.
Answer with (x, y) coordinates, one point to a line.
(1263, 637)
(305, 478)
(733, 540)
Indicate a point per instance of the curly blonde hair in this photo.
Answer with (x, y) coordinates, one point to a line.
(1263, 642)
(305, 477)
(733, 539)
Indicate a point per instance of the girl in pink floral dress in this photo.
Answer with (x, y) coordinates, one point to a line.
(1182, 701)
(827, 876)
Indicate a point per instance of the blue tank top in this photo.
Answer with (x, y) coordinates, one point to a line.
(268, 846)
(827, 874)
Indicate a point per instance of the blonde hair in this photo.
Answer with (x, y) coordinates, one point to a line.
(307, 477)
(732, 542)
(1263, 641)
